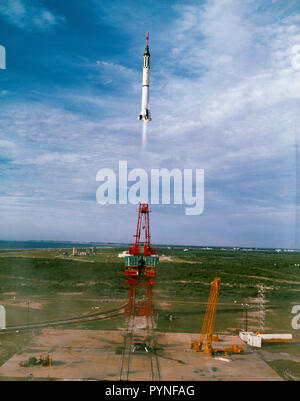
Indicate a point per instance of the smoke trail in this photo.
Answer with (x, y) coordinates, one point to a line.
(144, 137)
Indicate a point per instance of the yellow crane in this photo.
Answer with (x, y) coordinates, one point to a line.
(209, 323)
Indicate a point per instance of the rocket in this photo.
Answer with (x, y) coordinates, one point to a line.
(145, 112)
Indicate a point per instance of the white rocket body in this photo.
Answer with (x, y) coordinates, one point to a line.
(145, 110)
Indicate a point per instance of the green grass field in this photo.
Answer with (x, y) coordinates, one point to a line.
(45, 285)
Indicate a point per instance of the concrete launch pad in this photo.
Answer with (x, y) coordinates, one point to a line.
(96, 354)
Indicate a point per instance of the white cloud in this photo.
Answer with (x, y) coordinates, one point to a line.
(112, 73)
(6, 144)
(49, 159)
(29, 16)
(295, 57)
(240, 73)
(224, 99)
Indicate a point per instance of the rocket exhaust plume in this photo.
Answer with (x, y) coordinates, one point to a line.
(144, 137)
(145, 110)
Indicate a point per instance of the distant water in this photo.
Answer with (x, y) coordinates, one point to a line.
(52, 244)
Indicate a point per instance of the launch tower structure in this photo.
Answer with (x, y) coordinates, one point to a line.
(141, 262)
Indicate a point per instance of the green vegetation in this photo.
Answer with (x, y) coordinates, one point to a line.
(288, 370)
(182, 289)
(240, 272)
(48, 272)
(188, 276)
(45, 285)
(13, 342)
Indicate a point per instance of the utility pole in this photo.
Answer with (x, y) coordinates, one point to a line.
(246, 315)
(28, 313)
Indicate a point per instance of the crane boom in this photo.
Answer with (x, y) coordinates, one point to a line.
(209, 318)
(209, 323)
(210, 315)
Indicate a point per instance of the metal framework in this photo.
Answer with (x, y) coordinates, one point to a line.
(209, 319)
(143, 216)
(209, 323)
(140, 264)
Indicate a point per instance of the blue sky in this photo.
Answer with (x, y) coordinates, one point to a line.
(225, 89)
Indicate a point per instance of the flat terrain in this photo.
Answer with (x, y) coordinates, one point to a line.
(47, 285)
(96, 355)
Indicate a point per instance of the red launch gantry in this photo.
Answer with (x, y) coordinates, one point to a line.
(140, 264)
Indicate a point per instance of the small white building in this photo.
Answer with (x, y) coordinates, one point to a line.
(256, 339)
